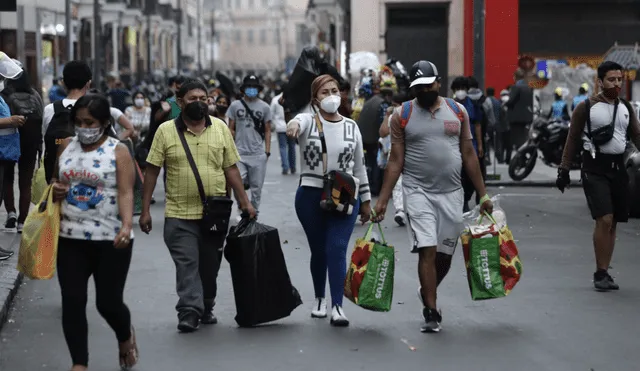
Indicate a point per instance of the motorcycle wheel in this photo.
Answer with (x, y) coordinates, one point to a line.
(522, 163)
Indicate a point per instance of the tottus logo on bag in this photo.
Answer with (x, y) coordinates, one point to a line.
(484, 264)
(382, 277)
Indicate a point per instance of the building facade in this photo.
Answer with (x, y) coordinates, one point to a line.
(258, 35)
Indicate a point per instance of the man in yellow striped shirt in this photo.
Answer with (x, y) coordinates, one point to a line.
(194, 252)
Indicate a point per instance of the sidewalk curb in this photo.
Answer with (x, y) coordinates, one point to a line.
(528, 184)
(10, 280)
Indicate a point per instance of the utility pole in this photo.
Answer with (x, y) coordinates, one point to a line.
(213, 40)
(20, 55)
(478, 41)
(97, 38)
(199, 36)
(179, 43)
(68, 29)
(149, 40)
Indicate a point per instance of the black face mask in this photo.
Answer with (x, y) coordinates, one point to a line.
(221, 109)
(426, 99)
(196, 111)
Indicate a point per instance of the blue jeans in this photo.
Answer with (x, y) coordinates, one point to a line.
(328, 235)
(287, 152)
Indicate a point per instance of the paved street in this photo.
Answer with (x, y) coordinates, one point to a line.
(553, 320)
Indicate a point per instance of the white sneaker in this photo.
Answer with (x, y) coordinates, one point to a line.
(400, 217)
(338, 318)
(319, 308)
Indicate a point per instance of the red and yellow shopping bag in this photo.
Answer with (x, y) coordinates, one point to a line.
(369, 281)
(39, 243)
(492, 261)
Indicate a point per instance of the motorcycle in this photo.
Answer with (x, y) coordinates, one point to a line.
(545, 136)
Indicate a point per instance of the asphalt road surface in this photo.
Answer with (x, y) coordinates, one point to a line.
(553, 320)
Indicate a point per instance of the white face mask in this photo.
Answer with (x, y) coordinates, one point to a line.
(460, 94)
(139, 102)
(504, 98)
(89, 135)
(331, 103)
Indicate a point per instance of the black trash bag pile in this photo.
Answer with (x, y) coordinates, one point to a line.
(261, 284)
(297, 93)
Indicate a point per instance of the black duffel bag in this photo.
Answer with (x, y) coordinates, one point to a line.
(261, 284)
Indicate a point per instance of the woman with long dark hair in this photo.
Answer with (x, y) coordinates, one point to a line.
(94, 179)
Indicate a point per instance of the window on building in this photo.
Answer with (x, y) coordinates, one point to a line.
(249, 37)
(236, 37)
(263, 37)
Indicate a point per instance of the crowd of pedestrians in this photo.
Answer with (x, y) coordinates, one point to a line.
(424, 151)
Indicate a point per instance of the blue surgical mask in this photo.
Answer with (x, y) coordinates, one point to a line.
(251, 92)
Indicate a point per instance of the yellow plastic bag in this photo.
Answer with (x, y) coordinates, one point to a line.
(39, 243)
(38, 183)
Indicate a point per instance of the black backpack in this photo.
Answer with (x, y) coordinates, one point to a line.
(60, 126)
(30, 106)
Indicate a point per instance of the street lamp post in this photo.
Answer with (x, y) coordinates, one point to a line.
(68, 30)
(478, 43)
(179, 41)
(199, 36)
(97, 35)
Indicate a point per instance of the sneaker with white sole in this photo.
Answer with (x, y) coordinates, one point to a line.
(319, 308)
(400, 217)
(20, 227)
(338, 317)
(10, 224)
(432, 318)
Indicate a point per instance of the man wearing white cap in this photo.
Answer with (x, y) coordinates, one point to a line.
(9, 136)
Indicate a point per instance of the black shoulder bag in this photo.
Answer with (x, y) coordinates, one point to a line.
(216, 210)
(257, 124)
(340, 189)
(604, 134)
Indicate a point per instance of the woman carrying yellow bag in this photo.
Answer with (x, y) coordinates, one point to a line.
(94, 179)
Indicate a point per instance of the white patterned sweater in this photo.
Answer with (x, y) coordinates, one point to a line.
(344, 152)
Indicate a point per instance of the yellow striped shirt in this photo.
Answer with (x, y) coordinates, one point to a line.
(213, 151)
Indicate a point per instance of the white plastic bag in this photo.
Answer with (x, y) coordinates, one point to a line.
(473, 218)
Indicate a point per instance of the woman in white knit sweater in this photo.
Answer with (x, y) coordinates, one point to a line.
(328, 232)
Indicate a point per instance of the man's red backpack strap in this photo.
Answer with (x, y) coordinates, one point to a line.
(455, 108)
(405, 113)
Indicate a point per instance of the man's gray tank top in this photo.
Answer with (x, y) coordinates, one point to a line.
(432, 158)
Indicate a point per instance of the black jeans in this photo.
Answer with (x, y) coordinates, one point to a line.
(26, 165)
(374, 173)
(503, 146)
(467, 184)
(77, 261)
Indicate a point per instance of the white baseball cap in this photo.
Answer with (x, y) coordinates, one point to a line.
(9, 69)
